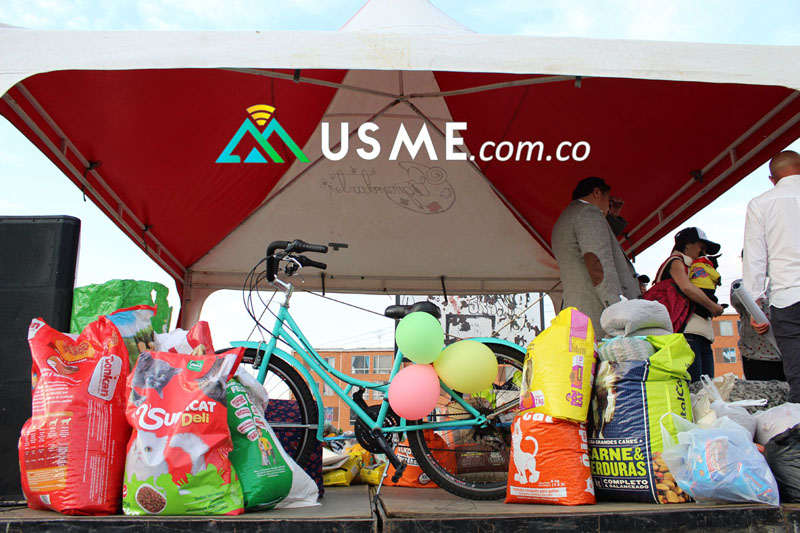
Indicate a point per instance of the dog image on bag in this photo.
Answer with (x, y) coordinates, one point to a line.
(549, 462)
(524, 461)
(604, 402)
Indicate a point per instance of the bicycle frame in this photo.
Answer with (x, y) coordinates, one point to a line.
(295, 338)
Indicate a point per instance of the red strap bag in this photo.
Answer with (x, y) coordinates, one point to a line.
(667, 293)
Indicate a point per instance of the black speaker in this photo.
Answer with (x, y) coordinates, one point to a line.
(38, 256)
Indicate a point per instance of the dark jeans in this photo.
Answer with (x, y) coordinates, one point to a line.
(703, 357)
(786, 326)
(755, 370)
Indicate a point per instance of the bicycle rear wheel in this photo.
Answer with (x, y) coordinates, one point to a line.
(472, 462)
(292, 411)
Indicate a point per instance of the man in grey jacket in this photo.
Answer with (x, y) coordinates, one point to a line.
(594, 270)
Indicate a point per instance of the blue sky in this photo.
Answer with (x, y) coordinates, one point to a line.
(33, 186)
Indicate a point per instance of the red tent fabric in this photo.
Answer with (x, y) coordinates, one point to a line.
(144, 138)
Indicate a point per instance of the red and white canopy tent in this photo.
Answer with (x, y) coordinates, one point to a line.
(138, 120)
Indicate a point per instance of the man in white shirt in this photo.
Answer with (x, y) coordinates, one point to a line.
(772, 252)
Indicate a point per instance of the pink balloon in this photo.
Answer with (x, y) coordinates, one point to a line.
(414, 391)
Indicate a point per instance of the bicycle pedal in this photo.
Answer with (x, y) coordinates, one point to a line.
(398, 472)
(398, 465)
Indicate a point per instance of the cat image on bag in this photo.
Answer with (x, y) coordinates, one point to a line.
(151, 373)
(213, 382)
(524, 461)
(194, 447)
(147, 456)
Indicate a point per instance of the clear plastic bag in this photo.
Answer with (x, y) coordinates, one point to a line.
(719, 464)
(710, 405)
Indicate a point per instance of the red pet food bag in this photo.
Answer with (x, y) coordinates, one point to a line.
(177, 462)
(72, 449)
(549, 462)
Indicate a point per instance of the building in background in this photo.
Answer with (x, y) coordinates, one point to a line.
(367, 364)
(726, 350)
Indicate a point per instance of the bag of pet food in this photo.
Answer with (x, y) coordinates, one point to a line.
(71, 451)
(559, 368)
(413, 476)
(371, 475)
(549, 462)
(264, 473)
(177, 462)
(93, 301)
(135, 328)
(345, 474)
(625, 440)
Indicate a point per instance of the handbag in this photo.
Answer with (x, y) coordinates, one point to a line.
(667, 293)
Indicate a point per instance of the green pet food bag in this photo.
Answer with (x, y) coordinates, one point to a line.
(264, 473)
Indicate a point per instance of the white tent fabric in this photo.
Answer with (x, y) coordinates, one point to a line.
(368, 45)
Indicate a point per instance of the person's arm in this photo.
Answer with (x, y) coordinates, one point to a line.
(594, 242)
(692, 291)
(754, 268)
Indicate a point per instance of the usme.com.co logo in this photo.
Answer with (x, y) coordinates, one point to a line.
(260, 115)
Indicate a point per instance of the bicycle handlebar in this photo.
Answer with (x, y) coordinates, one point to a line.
(300, 247)
(306, 262)
(295, 246)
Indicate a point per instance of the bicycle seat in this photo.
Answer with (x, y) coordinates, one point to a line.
(399, 311)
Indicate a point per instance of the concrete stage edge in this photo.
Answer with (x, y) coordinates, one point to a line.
(351, 510)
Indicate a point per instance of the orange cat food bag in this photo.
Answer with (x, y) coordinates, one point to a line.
(549, 462)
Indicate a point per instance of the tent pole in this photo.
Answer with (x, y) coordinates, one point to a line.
(467, 90)
(116, 214)
(493, 86)
(730, 149)
(739, 162)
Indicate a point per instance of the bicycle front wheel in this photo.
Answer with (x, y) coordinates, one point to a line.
(292, 411)
(472, 461)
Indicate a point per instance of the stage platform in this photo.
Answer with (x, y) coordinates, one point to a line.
(401, 510)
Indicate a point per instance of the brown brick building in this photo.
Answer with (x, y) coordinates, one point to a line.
(726, 351)
(367, 364)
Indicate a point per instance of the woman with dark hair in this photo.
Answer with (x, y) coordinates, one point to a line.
(691, 243)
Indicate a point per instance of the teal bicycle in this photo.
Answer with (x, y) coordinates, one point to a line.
(463, 445)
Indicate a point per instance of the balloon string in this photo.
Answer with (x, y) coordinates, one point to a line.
(345, 303)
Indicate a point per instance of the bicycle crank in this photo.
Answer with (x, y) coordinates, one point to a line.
(364, 434)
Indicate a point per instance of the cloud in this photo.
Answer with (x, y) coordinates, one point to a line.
(737, 21)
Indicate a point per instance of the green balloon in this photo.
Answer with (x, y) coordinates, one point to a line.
(420, 337)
